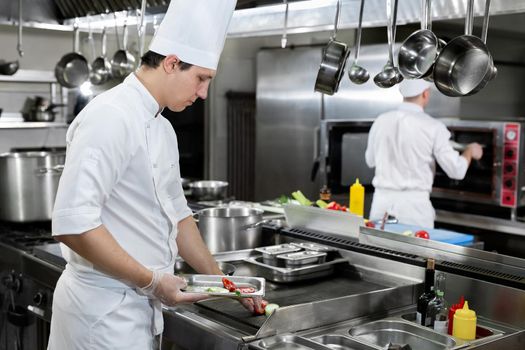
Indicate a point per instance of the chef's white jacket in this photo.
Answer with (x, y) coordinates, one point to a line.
(403, 147)
(122, 171)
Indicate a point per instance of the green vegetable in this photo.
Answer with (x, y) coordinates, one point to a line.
(216, 290)
(238, 293)
(321, 204)
(299, 196)
(270, 308)
(283, 199)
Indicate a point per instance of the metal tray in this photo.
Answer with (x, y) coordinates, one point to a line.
(306, 257)
(283, 342)
(315, 247)
(204, 281)
(288, 274)
(270, 253)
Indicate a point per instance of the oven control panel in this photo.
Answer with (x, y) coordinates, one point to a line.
(511, 156)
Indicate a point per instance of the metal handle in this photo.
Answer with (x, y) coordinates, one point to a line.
(116, 30)
(19, 45)
(485, 29)
(284, 39)
(359, 30)
(141, 30)
(54, 170)
(469, 17)
(389, 31)
(426, 17)
(75, 36)
(338, 8)
(125, 34)
(195, 218)
(104, 42)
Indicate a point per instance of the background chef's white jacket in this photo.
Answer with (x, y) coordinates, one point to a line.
(122, 170)
(403, 146)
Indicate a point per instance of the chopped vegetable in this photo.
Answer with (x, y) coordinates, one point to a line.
(283, 199)
(422, 234)
(216, 290)
(321, 204)
(270, 308)
(299, 196)
(237, 292)
(229, 284)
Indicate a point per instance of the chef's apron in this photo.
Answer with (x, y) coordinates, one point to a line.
(87, 316)
(409, 207)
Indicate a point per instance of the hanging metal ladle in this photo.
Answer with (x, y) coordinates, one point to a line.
(390, 75)
(356, 73)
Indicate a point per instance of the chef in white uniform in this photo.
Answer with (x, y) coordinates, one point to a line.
(120, 211)
(403, 147)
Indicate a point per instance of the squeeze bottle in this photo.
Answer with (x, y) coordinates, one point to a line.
(357, 198)
(464, 326)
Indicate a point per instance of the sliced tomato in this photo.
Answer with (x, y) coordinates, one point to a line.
(229, 284)
(247, 290)
(370, 224)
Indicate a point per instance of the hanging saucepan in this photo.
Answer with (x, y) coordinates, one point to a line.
(101, 67)
(419, 51)
(465, 64)
(72, 70)
(123, 62)
(333, 62)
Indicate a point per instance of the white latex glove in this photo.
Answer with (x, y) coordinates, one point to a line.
(475, 150)
(167, 288)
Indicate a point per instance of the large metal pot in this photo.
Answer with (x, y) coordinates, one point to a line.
(29, 184)
(227, 229)
(208, 190)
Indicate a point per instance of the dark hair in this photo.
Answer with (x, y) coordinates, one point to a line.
(152, 60)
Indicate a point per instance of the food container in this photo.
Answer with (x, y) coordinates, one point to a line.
(182, 267)
(200, 284)
(270, 253)
(315, 247)
(306, 257)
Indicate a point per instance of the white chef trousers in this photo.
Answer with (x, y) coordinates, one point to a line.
(409, 207)
(88, 317)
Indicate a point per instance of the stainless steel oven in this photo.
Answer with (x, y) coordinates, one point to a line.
(498, 178)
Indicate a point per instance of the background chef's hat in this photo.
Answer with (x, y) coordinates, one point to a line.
(413, 87)
(194, 30)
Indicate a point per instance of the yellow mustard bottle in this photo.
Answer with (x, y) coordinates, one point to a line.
(464, 326)
(357, 198)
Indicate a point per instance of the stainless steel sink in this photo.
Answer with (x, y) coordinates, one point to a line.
(340, 342)
(384, 332)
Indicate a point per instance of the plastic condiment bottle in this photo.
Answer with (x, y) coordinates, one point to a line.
(357, 198)
(452, 311)
(464, 323)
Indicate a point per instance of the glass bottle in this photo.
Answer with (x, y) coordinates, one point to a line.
(325, 194)
(428, 294)
(439, 313)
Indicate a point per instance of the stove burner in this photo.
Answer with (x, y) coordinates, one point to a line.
(25, 236)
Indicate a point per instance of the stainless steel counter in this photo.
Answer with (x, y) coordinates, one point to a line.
(481, 222)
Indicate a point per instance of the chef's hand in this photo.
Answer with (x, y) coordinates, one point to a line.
(476, 151)
(167, 288)
(255, 305)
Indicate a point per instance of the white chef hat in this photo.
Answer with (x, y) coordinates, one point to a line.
(413, 87)
(194, 30)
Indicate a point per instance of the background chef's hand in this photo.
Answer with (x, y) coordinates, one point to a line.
(167, 288)
(476, 150)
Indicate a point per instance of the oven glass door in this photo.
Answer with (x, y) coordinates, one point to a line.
(346, 155)
(480, 180)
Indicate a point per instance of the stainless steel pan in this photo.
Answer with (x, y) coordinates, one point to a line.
(72, 70)
(123, 62)
(333, 63)
(101, 67)
(419, 51)
(465, 64)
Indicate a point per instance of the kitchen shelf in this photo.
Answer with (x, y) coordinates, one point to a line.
(32, 125)
(30, 76)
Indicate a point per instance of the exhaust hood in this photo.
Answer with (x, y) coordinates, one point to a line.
(252, 17)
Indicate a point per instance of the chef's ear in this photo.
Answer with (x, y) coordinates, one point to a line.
(170, 63)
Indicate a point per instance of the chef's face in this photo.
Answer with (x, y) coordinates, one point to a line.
(185, 86)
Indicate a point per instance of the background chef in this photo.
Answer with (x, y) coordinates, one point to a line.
(403, 147)
(120, 211)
